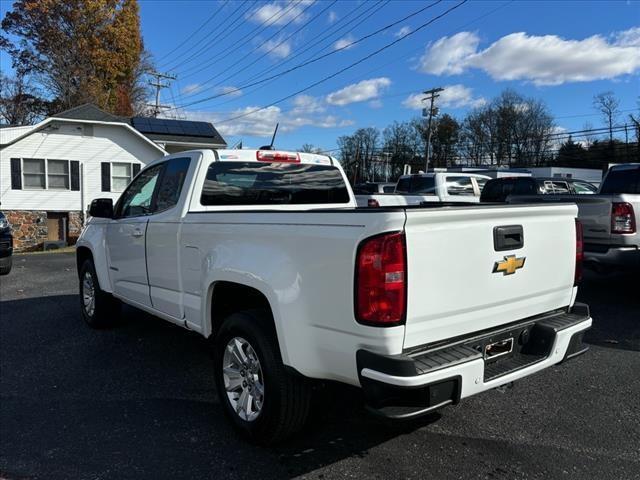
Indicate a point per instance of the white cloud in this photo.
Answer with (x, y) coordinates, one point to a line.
(453, 96)
(376, 104)
(305, 113)
(542, 60)
(276, 48)
(344, 42)
(279, 13)
(403, 31)
(306, 104)
(359, 92)
(628, 38)
(229, 91)
(447, 55)
(191, 89)
(332, 17)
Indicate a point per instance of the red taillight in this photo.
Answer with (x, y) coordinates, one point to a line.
(577, 278)
(372, 202)
(623, 219)
(271, 156)
(381, 280)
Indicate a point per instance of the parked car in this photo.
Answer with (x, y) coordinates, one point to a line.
(611, 226)
(6, 245)
(499, 189)
(373, 187)
(266, 253)
(429, 187)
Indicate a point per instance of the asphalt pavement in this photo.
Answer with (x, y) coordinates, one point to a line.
(138, 401)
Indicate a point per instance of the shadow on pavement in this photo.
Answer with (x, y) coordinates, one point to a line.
(614, 300)
(139, 400)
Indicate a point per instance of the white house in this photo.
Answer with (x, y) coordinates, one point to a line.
(51, 171)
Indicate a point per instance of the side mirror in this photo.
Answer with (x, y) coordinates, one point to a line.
(101, 208)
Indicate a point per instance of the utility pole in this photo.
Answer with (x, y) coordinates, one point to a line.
(430, 113)
(159, 86)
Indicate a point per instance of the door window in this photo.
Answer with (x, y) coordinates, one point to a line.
(460, 186)
(171, 183)
(137, 198)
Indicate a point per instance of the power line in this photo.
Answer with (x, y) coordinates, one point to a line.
(219, 34)
(195, 32)
(258, 47)
(304, 64)
(373, 9)
(348, 67)
(159, 86)
(289, 59)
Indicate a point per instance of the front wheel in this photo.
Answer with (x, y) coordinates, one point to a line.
(99, 308)
(265, 402)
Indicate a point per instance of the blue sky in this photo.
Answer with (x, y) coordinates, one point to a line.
(560, 52)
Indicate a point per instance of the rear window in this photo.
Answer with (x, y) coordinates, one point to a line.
(253, 183)
(417, 184)
(623, 180)
(498, 189)
(460, 186)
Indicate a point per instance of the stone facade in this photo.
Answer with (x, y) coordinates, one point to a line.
(30, 229)
(74, 228)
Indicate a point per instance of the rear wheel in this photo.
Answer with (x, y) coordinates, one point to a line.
(5, 265)
(265, 402)
(99, 308)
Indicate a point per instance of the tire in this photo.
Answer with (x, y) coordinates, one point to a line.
(286, 398)
(5, 266)
(105, 310)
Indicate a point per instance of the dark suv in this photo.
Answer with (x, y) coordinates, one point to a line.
(498, 189)
(6, 245)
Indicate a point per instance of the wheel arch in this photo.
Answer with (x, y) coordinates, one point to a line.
(226, 297)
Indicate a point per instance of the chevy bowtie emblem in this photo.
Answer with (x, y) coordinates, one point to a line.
(509, 265)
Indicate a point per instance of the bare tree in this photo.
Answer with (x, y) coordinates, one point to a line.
(608, 105)
(20, 102)
(589, 136)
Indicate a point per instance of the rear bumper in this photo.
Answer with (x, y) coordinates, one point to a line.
(607, 255)
(415, 384)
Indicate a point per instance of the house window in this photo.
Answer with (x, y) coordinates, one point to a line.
(120, 176)
(33, 173)
(58, 174)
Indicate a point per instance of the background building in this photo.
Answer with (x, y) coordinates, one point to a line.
(50, 172)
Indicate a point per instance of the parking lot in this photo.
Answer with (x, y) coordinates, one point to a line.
(139, 401)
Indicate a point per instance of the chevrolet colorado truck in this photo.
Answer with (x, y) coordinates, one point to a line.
(266, 253)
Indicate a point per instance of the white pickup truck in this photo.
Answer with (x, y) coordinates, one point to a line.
(419, 188)
(265, 253)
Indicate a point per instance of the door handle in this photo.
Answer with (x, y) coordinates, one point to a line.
(137, 233)
(510, 237)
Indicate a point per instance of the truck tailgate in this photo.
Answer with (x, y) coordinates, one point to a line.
(451, 258)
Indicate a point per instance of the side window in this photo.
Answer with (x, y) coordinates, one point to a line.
(136, 199)
(582, 188)
(557, 188)
(403, 186)
(388, 189)
(460, 186)
(171, 183)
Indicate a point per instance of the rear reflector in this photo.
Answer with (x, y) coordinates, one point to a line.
(381, 280)
(272, 156)
(623, 219)
(577, 278)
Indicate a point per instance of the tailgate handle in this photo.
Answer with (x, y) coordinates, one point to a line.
(509, 237)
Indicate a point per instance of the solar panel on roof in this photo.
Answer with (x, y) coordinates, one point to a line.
(173, 127)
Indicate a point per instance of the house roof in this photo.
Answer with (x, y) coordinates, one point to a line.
(9, 136)
(160, 130)
(89, 111)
